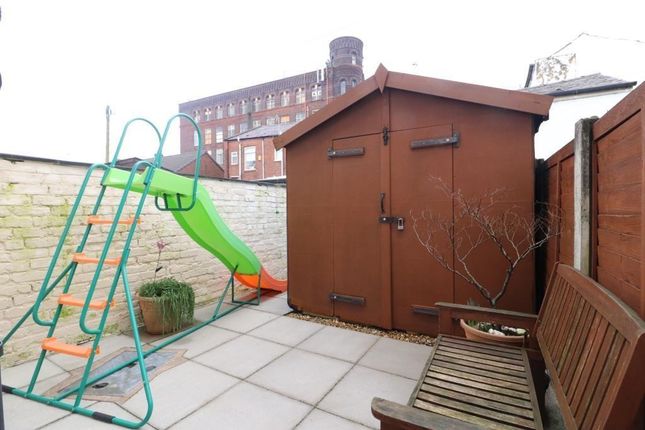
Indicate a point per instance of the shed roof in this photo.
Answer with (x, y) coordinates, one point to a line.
(263, 131)
(506, 99)
(584, 84)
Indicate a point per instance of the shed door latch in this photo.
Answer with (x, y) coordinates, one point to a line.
(398, 220)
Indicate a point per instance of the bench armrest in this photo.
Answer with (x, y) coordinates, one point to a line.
(448, 312)
(396, 416)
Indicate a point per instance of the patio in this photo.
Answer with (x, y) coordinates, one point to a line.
(254, 369)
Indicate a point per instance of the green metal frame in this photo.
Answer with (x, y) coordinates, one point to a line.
(120, 274)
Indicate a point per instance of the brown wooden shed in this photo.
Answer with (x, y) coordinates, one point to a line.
(370, 153)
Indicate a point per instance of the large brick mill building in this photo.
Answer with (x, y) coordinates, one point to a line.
(223, 117)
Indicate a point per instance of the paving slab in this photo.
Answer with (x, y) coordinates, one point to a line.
(180, 391)
(207, 337)
(287, 331)
(205, 313)
(275, 305)
(247, 406)
(301, 375)
(23, 414)
(242, 356)
(45, 384)
(108, 345)
(76, 421)
(398, 357)
(339, 343)
(320, 420)
(351, 398)
(20, 375)
(244, 320)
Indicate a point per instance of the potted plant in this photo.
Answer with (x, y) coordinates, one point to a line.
(166, 305)
(476, 221)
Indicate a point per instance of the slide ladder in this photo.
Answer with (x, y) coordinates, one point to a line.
(143, 184)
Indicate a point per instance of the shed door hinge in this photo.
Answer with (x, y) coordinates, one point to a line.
(386, 135)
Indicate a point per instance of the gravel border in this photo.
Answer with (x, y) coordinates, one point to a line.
(421, 339)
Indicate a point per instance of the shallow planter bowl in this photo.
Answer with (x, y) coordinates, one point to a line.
(474, 334)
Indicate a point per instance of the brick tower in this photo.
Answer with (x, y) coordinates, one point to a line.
(346, 60)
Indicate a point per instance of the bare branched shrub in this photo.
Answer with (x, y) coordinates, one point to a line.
(478, 220)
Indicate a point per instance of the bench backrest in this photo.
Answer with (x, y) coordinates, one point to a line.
(594, 349)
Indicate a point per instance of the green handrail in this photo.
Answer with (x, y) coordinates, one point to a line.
(197, 163)
(115, 158)
(59, 246)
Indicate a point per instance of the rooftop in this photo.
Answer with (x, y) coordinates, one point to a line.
(263, 131)
(582, 85)
(177, 162)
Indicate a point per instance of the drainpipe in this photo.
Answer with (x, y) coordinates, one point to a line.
(263, 157)
(239, 159)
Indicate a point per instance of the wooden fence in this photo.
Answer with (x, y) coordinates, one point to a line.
(617, 248)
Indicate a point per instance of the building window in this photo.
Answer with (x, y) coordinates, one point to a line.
(270, 101)
(284, 119)
(197, 116)
(231, 109)
(207, 114)
(195, 138)
(219, 156)
(244, 108)
(300, 116)
(343, 86)
(234, 159)
(208, 136)
(284, 98)
(257, 104)
(231, 130)
(219, 112)
(353, 58)
(271, 120)
(354, 82)
(244, 126)
(219, 135)
(249, 158)
(316, 92)
(277, 155)
(257, 123)
(300, 95)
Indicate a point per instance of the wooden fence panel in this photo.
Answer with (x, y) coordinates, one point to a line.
(618, 248)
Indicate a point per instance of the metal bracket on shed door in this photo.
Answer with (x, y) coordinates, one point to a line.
(352, 300)
(440, 141)
(350, 152)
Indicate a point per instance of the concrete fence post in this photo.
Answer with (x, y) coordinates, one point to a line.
(583, 141)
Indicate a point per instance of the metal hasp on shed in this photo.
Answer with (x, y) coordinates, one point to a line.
(360, 166)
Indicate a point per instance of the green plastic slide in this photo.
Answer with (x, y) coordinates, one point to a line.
(202, 223)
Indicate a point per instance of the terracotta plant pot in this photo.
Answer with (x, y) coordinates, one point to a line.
(152, 312)
(474, 334)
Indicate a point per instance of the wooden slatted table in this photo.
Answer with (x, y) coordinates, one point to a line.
(480, 383)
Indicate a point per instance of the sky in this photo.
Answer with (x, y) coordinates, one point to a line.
(63, 61)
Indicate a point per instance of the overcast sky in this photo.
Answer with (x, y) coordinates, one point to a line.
(63, 61)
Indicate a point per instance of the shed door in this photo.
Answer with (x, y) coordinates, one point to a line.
(357, 294)
(418, 281)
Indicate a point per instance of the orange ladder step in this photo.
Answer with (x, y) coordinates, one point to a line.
(95, 219)
(69, 300)
(52, 344)
(83, 259)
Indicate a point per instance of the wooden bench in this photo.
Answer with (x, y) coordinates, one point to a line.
(590, 342)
